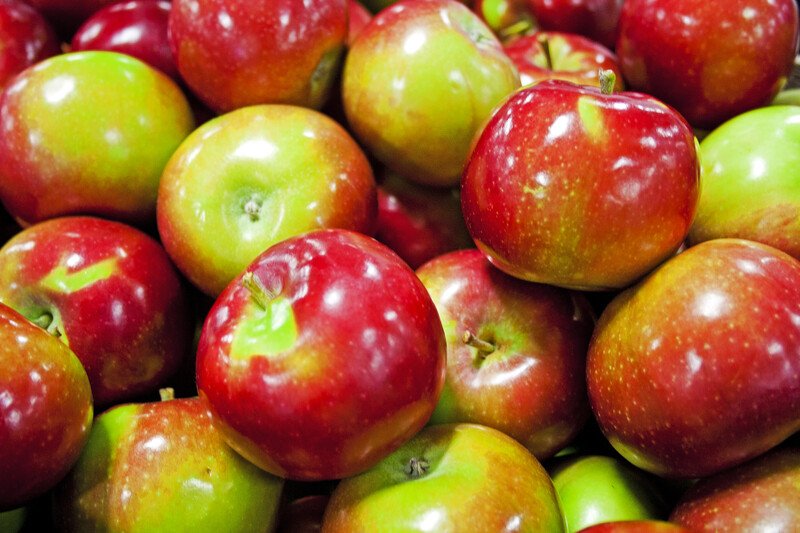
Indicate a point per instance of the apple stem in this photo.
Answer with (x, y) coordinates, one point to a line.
(607, 81)
(416, 468)
(166, 394)
(481, 345)
(260, 294)
(544, 42)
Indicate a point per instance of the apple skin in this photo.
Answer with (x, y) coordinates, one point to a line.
(417, 222)
(136, 27)
(532, 387)
(234, 53)
(69, 146)
(790, 96)
(636, 526)
(596, 19)
(111, 294)
(593, 489)
(711, 60)
(751, 181)
(334, 367)
(163, 467)
(596, 221)
(573, 58)
(762, 495)
(508, 19)
(27, 39)
(13, 520)
(359, 17)
(413, 114)
(693, 370)
(45, 410)
(477, 479)
(254, 177)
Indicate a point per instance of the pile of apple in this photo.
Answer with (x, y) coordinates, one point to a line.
(413, 265)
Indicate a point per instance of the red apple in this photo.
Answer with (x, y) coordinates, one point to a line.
(324, 356)
(694, 369)
(563, 56)
(596, 19)
(570, 186)
(636, 526)
(710, 59)
(136, 27)
(449, 478)
(418, 222)
(26, 38)
(359, 17)
(516, 352)
(235, 53)
(45, 410)
(762, 495)
(164, 467)
(106, 290)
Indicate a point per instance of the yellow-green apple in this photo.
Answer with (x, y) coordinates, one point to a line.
(593, 489)
(789, 96)
(253, 177)
(710, 59)
(751, 180)
(88, 133)
(45, 410)
(106, 290)
(419, 82)
(26, 38)
(636, 526)
(458, 477)
(419, 223)
(762, 495)
(596, 19)
(546, 55)
(322, 357)
(235, 53)
(574, 186)
(694, 370)
(516, 352)
(162, 466)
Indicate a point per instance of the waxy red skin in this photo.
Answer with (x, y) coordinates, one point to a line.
(595, 19)
(234, 53)
(360, 377)
(45, 410)
(574, 58)
(419, 223)
(694, 370)
(129, 325)
(137, 28)
(710, 60)
(359, 16)
(532, 387)
(636, 526)
(26, 36)
(762, 495)
(599, 221)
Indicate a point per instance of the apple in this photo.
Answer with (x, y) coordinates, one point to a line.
(88, 133)
(359, 16)
(574, 186)
(162, 466)
(594, 489)
(508, 19)
(12, 521)
(564, 56)
(235, 53)
(710, 59)
(693, 370)
(762, 495)
(26, 38)
(253, 177)
(460, 477)
(419, 82)
(417, 222)
(516, 352)
(106, 290)
(596, 19)
(45, 410)
(67, 15)
(135, 27)
(303, 515)
(322, 357)
(790, 96)
(636, 526)
(750, 169)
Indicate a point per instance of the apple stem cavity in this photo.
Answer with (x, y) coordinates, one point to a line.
(260, 294)
(166, 394)
(253, 209)
(607, 81)
(544, 42)
(416, 468)
(46, 322)
(485, 348)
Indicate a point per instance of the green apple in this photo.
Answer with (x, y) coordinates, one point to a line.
(787, 97)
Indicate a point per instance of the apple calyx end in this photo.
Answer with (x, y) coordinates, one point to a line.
(607, 81)
(485, 348)
(258, 292)
(416, 468)
(252, 209)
